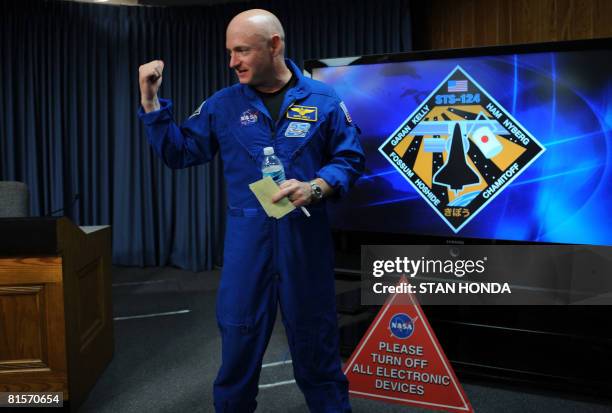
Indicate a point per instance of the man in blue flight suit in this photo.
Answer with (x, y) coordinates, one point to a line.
(268, 262)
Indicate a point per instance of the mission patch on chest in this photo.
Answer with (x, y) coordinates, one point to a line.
(298, 112)
(297, 129)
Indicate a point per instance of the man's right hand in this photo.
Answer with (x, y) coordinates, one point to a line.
(150, 78)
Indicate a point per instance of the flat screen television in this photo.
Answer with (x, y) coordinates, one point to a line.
(510, 143)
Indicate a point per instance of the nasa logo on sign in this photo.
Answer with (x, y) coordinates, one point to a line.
(401, 325)
(248, 117)
(460, 149)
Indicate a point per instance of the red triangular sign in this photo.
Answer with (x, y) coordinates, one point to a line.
(400, 360)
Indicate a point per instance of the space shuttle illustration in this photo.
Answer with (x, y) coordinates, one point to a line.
(457, 173)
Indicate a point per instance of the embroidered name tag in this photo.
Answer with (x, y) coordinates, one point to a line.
(307, 113)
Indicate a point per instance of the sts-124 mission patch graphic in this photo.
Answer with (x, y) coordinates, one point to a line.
(460, 149)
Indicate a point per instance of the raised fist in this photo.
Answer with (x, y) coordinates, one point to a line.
(150, 78)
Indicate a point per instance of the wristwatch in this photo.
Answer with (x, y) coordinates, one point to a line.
(317, 192)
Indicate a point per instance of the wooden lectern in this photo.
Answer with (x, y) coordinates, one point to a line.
(56, 325)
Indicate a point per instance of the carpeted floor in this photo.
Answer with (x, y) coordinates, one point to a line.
(166, 358)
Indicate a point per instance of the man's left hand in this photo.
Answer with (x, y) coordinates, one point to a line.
(299, 193)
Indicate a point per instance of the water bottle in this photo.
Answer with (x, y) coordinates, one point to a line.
(272, 166)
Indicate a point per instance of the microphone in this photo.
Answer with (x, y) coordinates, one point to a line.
(75, 198)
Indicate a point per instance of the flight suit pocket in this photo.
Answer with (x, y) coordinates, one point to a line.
(232, 319)
(229, 328)
(297, 136)
(305, 344)
(315, 348)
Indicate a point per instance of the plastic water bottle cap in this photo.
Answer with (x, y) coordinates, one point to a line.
(268, 151)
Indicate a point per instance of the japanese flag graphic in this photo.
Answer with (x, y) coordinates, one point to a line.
(487, 142)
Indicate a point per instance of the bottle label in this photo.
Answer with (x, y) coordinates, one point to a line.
(277, 175)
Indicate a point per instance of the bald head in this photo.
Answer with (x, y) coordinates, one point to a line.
(255, 41)
(257, 22)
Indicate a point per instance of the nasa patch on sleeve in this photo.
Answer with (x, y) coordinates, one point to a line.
(198, 110)
(346, 113)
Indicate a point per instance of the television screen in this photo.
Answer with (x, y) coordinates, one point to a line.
(507, 143)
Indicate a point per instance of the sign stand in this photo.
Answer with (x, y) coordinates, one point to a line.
(400, 360)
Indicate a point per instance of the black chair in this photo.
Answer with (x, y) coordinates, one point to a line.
(14, 199)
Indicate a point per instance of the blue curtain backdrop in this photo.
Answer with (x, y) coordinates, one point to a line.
(69, 97)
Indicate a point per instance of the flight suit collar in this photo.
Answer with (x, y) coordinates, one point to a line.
(298, 92)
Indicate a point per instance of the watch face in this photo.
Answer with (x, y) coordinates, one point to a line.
(317, 192)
